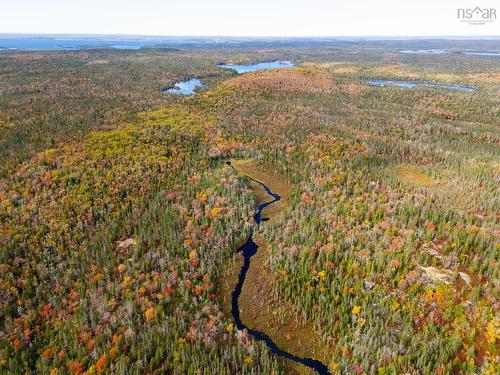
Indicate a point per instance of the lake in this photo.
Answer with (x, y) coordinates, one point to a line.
(186, 87)
(47, 42)
(434, 51)
(240, 69)
(486, 53)
(380, 83)
(71, 43)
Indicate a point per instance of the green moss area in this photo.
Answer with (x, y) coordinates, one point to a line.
(117, 237)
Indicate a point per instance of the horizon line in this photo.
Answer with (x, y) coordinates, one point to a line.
(2, 33)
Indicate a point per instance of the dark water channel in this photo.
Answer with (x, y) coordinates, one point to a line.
(249, 249)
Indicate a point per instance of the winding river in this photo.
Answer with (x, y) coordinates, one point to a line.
(248, 250)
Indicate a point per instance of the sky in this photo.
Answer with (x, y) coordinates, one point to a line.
(245, 17)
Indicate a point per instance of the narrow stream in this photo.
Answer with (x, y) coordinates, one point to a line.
(249, 249)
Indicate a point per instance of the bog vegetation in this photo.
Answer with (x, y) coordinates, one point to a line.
(118, 215)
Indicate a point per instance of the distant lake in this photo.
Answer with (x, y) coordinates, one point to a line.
(486, 53)
(186, 87)
(71, 44)
(406, 84)
(434, 51)
(47, 42)
(240, 69)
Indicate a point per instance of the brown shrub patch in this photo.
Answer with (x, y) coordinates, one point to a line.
(98, 62)
(295, 79)
(353, 89)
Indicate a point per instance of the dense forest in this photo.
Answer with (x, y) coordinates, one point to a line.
(120, 220)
